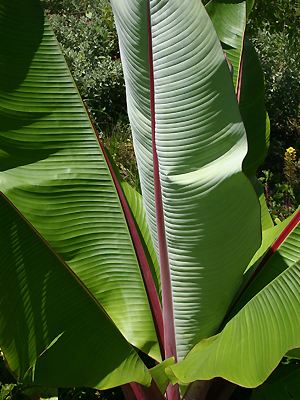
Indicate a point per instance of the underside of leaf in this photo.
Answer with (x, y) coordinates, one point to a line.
(53, 171)
(48, 318)
(253, 342)
(184, 113)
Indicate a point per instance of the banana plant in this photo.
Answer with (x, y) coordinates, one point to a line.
(160, 292)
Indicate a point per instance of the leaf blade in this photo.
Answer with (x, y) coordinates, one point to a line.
(52, 169)
(190, 79)
(253, 342)
(50, 322)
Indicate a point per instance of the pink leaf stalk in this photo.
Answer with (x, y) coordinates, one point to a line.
(143, 262)
(169, 330)
(284, 234)
(135, 391)
(167, 299)
(240, 74)
(274, 247)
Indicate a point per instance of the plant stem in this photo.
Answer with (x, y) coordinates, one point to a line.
(135, 391)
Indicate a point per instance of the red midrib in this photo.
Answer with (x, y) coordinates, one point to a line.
(142, 259)
(167, 300)
(275, 246)
(151, 291)
(240, 74)
(287, 230)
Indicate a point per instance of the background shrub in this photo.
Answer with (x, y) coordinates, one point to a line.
(85, 30)
(275, 30)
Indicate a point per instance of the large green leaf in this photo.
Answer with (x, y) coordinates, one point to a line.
(159, 374)
(266, 219)
(211, 213)
(250, 5)
(285, 256)
(54, 172)
(229, 19)
(52, 329)
(256, 121)
(258, 273)
(269, 236)
(135, 202)
(253, 342)
(253, 110)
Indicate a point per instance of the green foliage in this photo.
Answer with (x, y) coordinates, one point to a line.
(59, 205)
(11, 390)
(7, 391)
(274, 29)
(277, 53)
(277, 16)
(87, 35)
(86, 32)
(119, 142)
(283, 196)
(88, 38)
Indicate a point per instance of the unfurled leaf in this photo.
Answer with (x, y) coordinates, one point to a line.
(53, 171)
(253, 342)
(48, 317)
(190, 143)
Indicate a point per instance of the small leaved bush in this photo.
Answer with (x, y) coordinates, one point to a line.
(283, 196)
(275, 35)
